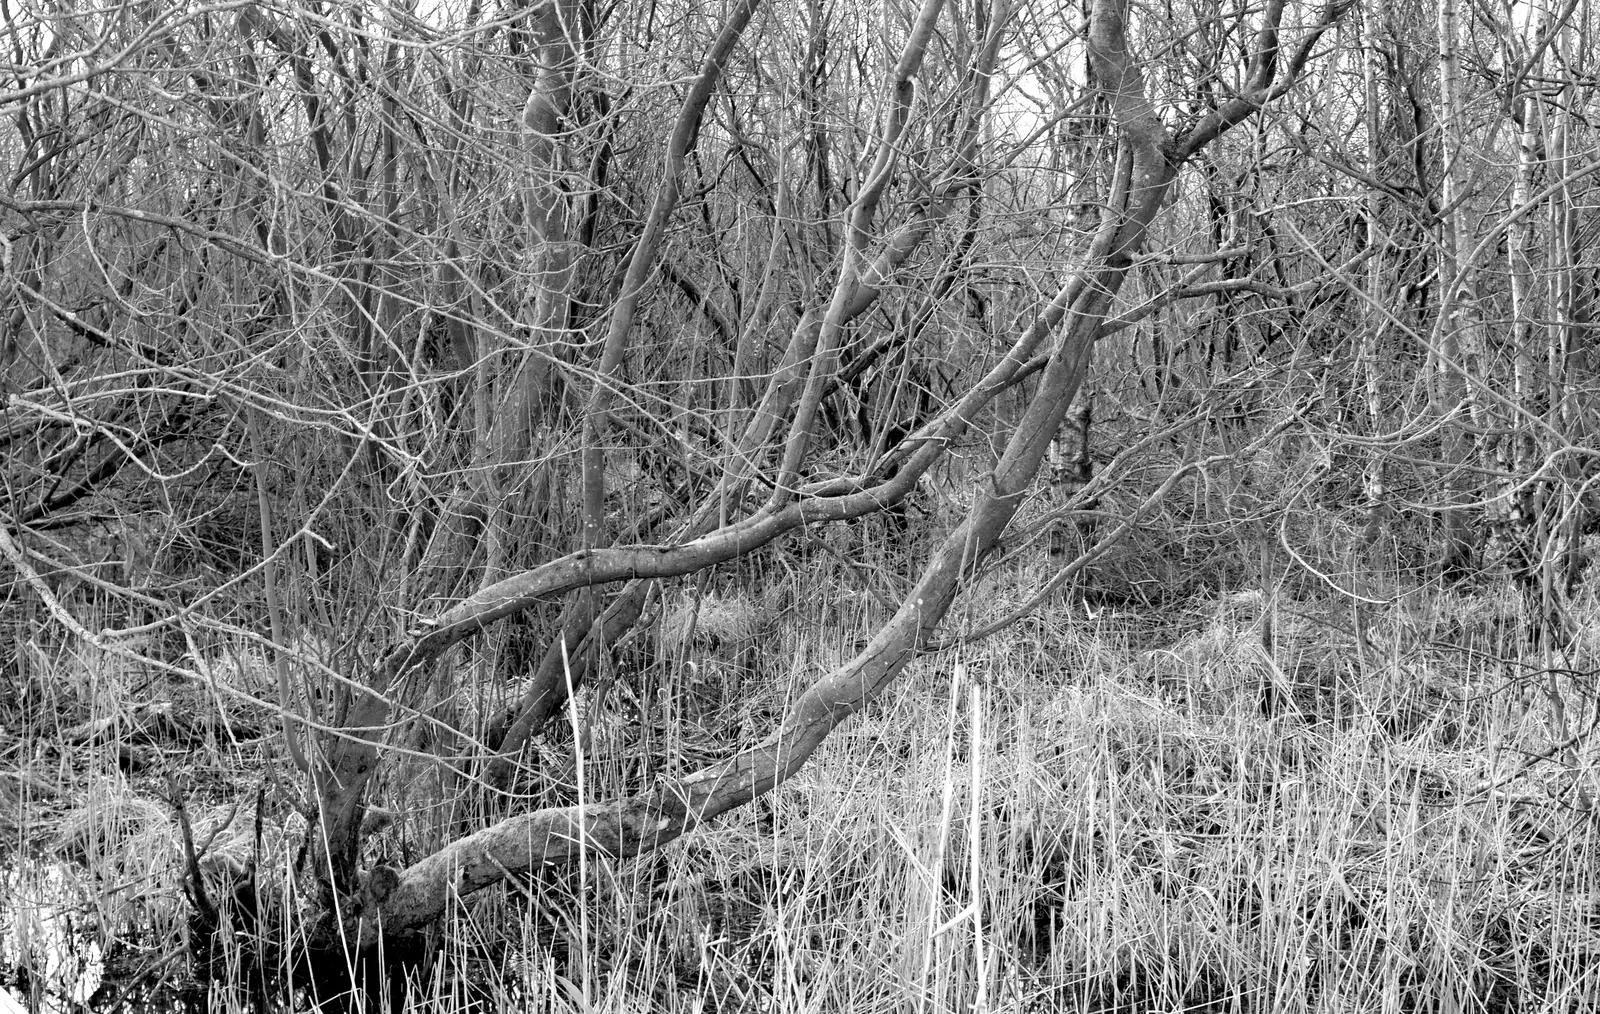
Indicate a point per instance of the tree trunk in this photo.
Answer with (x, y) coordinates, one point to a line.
(1149, 157)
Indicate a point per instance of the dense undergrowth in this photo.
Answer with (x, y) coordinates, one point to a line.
(1247, 801)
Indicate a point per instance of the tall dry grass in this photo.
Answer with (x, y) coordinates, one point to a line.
(1100, 810)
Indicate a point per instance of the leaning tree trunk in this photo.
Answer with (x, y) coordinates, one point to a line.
(385, 905)
(860, 283)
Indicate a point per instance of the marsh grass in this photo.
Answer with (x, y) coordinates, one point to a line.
(1095, 811)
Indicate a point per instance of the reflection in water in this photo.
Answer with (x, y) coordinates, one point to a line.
(48, 942)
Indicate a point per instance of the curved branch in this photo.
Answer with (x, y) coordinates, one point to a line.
(684, 134)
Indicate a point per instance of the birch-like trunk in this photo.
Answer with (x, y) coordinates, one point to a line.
(1451, 393)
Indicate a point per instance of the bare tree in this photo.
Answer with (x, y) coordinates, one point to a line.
(429, 291)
